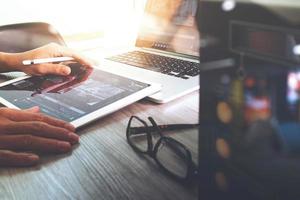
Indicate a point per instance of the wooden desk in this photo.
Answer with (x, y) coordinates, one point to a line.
(103, 165)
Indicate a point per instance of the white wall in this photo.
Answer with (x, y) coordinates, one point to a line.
(75, 16)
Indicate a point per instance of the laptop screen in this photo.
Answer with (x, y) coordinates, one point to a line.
(170, 25)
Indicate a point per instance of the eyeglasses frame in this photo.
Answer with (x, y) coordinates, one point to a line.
(153, 149)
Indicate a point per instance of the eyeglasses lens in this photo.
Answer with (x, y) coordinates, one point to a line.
(172, 157)
(138, 138)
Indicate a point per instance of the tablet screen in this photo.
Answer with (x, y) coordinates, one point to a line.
(70, 97)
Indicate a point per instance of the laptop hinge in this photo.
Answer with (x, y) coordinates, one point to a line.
(170, 53)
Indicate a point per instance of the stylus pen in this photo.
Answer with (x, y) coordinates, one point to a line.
(46, 60)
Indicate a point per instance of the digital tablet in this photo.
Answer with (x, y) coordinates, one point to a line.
(79, 98)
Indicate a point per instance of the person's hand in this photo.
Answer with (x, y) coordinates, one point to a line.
(26, 133)
(14, 61)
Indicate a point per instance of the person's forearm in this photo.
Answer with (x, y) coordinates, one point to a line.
(7, 62)
(3, 63)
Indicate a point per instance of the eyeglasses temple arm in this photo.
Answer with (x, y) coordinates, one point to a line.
(167, 127)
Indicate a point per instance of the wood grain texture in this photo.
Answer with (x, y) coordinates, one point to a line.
(103, 165)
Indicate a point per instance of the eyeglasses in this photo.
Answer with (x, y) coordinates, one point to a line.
(172, 156)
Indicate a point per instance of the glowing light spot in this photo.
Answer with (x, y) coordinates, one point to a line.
(224, 112)
(293, 81)
(223, 148)
(221, 181)
(228, 5)
(296, 50)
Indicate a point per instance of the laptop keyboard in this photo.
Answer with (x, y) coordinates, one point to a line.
(166, 65)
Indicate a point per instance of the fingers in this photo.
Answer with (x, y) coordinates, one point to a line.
(51, 50)
(34, 109)
(59, 50)
(48, 68)
(29, 130)
(33, 143)
(41, 129)
(64, 51)
(81, 59)
(9, 158)
(19, 115)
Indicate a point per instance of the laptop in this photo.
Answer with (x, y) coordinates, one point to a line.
(166, 50)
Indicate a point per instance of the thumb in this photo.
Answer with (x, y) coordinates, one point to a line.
(34, 109)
